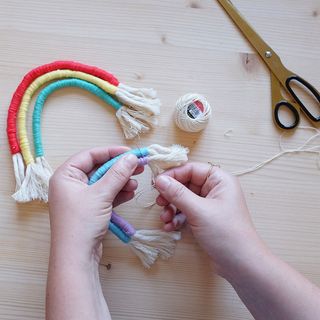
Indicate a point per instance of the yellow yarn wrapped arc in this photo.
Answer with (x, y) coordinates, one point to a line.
(34, 86)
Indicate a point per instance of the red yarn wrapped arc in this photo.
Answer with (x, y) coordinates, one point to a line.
(34, 74)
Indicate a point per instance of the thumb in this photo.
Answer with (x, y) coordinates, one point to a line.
(117, 176)
(177, 194)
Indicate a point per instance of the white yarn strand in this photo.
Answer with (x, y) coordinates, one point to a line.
(149, 245)
(18, 168)
(144, 105)
(134, 122)
(35, 185)
(162, 158)
(304, 148)
(140, 106)
(187, 123)
(29, 189)
(148, 93)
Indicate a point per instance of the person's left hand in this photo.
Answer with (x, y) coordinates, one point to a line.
(79, 213)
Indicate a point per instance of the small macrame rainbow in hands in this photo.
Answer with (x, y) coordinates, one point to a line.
(148, 245)
(136, 111)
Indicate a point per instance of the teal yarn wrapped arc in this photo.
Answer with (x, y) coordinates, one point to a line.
(118, 232)
(139, 153)
(45, 93)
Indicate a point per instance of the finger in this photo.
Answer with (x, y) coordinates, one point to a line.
(161, 201)
(197, 175)
(139, 170)
(117, 176)
(168, 214)
(94, 169)
(194, 188)
(130, 186)
(217, 180)
(192, 173)
(176, 224)
(87, 160)
(169, 227)
(177, 194)
(179, 220)
(122, 197)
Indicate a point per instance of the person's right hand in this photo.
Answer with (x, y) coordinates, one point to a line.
(213, 202)
(214, 205)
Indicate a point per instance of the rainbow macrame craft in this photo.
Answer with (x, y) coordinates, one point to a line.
(135, 109)
(141, 105)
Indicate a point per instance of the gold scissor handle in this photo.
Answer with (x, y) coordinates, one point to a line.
(279, 102)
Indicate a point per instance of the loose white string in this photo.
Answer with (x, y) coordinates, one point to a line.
(144, 191)
(304, 148)
(228, 133)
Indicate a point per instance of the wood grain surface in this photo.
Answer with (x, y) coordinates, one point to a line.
(176, 47)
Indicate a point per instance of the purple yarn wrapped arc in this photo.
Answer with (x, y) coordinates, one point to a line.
(126, 227)
(142, 161)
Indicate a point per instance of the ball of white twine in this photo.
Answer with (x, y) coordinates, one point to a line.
(187, 123)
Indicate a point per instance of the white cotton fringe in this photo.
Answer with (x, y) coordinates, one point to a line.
(146, 106)
(19, 168)
(138, 113)
(147, 93)
(149, 245)
(134, 122)
(35, 186)
(163, 158)
(29, 188)
(44, 174)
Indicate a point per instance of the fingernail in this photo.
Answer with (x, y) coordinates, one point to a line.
(131, 160)
(163, 182)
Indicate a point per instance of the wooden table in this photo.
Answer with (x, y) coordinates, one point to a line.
(176, 47)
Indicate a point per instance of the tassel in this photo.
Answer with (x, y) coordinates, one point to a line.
(163, 158)
(43, 176)
(147, 255)
(18, 167)
(35, 185)
(47, 170)
(148, 245)
(148, 93)
(29, 189)
(149, 250)
(130, 122)
(145, 106)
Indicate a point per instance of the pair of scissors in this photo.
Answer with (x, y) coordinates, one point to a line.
(281, 77)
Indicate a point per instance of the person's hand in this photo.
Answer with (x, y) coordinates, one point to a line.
(79, 213)
(214, 205)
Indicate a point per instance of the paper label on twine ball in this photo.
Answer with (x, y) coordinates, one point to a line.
(195, 109)
(192, 112)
